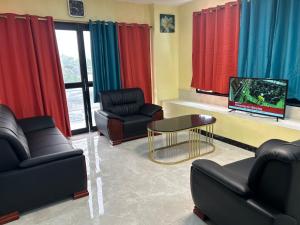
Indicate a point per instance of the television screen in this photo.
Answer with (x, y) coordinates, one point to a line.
(261, 96)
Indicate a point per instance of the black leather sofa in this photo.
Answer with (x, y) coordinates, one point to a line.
(263, 190)
(124, 116)
(37, 165)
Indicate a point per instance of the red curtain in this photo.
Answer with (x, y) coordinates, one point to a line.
(31, 81)
(215, 47)
(134, 45)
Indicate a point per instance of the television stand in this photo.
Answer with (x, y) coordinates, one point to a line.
(232, 110)
(261, 116)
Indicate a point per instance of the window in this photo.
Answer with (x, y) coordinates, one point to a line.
(76, 59)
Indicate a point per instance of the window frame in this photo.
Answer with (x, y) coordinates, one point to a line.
(84, 84)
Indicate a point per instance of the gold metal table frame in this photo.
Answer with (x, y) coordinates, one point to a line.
(194, 142)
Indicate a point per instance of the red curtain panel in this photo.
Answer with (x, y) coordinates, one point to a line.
(215, 47)
(134, 46)
(31, 81)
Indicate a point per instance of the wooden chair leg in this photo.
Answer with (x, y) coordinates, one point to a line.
(113, 143)
(200, 214)
(80, 194)
(9, 217)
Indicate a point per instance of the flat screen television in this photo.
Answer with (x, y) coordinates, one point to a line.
(260, 96)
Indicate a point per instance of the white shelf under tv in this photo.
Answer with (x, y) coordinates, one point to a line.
(291, 123)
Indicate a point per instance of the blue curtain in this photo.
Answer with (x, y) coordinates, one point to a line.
(105, 57)
(269, 45)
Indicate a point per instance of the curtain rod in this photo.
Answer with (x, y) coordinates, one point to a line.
(217, 7)
(58, 20)
(87, 22)
(5, 15)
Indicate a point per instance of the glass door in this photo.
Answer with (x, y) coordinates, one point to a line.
(75, 55)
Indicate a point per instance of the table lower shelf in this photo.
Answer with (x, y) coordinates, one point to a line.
(174, 152)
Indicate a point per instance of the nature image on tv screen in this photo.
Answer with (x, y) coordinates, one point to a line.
(263, 96)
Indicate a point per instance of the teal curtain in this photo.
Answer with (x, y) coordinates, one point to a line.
(269, 45)
(105, 57)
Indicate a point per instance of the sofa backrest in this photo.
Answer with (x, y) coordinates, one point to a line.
(275, 177)
(122, 102)
(12, 134)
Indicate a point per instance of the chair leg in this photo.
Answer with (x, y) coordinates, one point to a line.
(113, 143)
(200, 214)
(80, 194)
(9, 217)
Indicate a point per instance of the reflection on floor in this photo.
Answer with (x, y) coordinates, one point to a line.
(128, 189)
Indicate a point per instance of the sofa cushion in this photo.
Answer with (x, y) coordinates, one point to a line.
(48, 141)
(13, 133)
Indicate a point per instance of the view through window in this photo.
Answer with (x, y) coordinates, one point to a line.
(76, 60)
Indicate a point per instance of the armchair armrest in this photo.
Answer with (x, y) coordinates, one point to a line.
(221, 175)
(150, 109)
(36, 123)
(49, 158)
(110, 115)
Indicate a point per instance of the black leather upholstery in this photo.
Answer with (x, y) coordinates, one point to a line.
(135, 125)
(149, 109)
(37, 163)
(263, 190)
(231, 180)
(47, 141)
(13, 133)
(36, 123)
(109, 115)
(122, 102)
(126, 107)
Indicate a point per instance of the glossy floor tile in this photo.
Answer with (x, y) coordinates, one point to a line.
(126, 188)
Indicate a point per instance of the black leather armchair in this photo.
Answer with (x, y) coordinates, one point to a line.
(263, 190)
(37, 165)
(124, 116)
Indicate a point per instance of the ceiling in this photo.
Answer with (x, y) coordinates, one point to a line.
(161, 2)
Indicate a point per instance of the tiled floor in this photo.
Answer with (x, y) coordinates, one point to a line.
(126, 188)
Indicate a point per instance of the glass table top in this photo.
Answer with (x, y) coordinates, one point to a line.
(181, 123)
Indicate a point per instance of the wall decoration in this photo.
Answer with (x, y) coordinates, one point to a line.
(76, 8)
(167, 23)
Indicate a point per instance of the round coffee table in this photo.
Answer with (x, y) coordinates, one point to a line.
(195, 125)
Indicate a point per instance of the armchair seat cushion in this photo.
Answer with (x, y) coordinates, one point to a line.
(135, 125)
(136, 119)
(48, 141)
(150, 109)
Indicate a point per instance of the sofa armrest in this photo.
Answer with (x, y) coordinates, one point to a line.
(110, 115)
(49, 158)
(36, 123)
(221, 175)
(150, 109)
